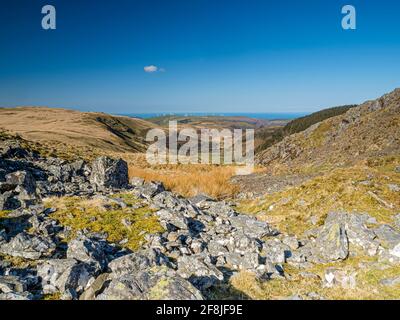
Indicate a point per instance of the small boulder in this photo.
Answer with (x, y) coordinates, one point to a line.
(152, 284)
(67, 276)
(199, 271)
(28, 246)
(137, 261)
(331, 244)
(387, 235)
(149, 189)
(334, 277)
(89, 251)
(109, 173)
(136, 182)
(22, 181)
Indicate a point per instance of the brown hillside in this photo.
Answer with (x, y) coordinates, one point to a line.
(70, 128)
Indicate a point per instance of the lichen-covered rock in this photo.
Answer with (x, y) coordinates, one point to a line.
(22, 181)
(11, 284)
(152, 284)
(356, 231)
(109, 173)
(149, 189)
(66, 276)
(137, 261)
(28, 246)
(250, 226)
(387, 236)
(331, 244)
(89, 251)
(199, 270)
(275, 251)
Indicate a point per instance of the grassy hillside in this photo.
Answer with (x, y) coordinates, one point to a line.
(66, 129)
(369, 130)
(270, 137)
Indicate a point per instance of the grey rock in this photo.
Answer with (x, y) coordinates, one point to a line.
(242, 243)
(291, 241)
(22, 181)
(251, 226)
(15, 296)
(154, 284)
(331, 244)
(357, 232)
(167, 200)
(8, 201)
(397, 169)
(344, 279)
(109, 173)
(199, 199)
(90, 251)
(11, 284)
(390, 281)
(168, 217)
(387, 235)
(149, 189)
(66, 276)
(136, 182)
(217, 209)
(216, 247)
(275, 251)
(137, 261)
(28, 246)
(199, 270)
(394, 187)
(247, 261)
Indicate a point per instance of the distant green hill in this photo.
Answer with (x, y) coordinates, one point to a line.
(300, 124)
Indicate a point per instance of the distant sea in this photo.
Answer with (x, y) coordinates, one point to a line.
(268, 116)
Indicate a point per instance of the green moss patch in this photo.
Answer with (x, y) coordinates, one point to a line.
(120, 224)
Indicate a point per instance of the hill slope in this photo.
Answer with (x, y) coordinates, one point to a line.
(70, 128)
(270, 137)
(369, 130)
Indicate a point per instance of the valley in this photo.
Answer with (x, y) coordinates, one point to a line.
(318, 218)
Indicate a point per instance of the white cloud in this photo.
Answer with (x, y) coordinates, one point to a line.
(153, 68)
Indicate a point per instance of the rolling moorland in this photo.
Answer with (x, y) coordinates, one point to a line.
(318, 219)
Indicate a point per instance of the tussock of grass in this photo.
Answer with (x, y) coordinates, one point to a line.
(90, 214)
(190, 180)
(51, 297)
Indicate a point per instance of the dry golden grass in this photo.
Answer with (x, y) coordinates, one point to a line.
(361, 188)
(368, 282)
(190, 180)
(70, 131)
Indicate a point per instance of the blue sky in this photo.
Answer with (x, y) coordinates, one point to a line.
(216, 56)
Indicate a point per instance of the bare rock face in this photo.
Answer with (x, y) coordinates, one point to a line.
(109, 173)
